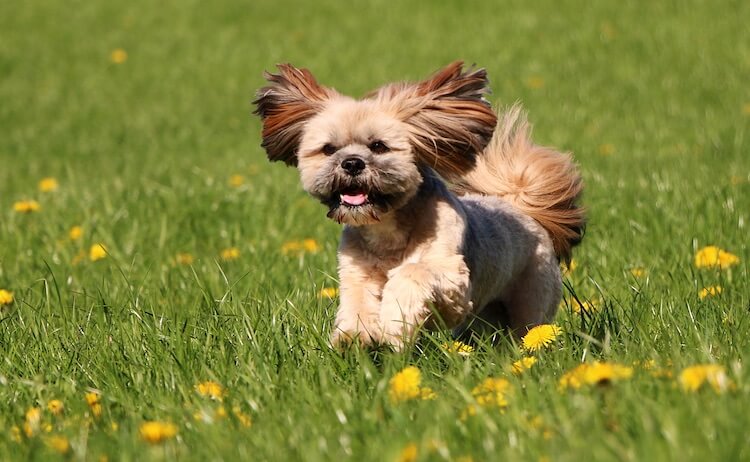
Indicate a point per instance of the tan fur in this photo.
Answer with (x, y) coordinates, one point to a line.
(539, 181)
(413, 253)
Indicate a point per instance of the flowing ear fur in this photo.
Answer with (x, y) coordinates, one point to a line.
(285, 105)
(449, 119)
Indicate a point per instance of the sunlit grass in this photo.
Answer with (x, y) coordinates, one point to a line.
(166, 293)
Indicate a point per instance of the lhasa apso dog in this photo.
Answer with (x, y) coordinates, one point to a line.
(450, 212)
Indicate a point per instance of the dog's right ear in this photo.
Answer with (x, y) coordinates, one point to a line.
(285, 105)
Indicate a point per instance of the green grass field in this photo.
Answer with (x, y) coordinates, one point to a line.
(157, 157)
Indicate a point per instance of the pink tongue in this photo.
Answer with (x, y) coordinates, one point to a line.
(354, 199)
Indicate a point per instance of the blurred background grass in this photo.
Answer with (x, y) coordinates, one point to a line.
(652, 98)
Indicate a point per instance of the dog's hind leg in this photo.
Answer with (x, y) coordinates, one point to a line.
(534, 297)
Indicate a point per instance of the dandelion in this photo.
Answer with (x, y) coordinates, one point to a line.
(694, 377)
(97, 252)
(75, 233)
(55, 406)
(48, 184)
(638, 272)
(653, 369)
(231, 253)
(236, 181)
(459, 348)
(241, 417)
(409, 453)
(6, 297)
(540, 336)
(155, 432)
(212, 390)
(328, 292)
(534, 82)
(709, 291)
(184, 259)
(26, 206)
(33, 421)
(714, 257)
(607, 149)
(406, 385)
(15, 433)
(305, 245)
(118, 56)
(58, 443)
(596, 373)
(523, 364)
(492, 392)
(568, 268)
(94, 401)
(588, 306)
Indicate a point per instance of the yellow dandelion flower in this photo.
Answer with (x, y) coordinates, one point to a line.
(459, 348)
(540, 336)
(328, 292)
(118, 56)
(241, 417)
(406, 385)
(212, 390)
(236, 181)
(607, 149)
(221, 412)
(75, 233)
(15, 433)
(33, 421)
(522, 365)
(26, 206)
(183, 258)
(709, 291)
(534, 82)
(6, 297)
(588, 306)
(567, 269)
(97, 252)
(55, 406)
(48, 184)
(596, 373)
(694, 377)
(297, 247)
(231, 253)
(409, 453)
(94, 401)
(492, 392)
(155, 432)
(714, 257)
(638, 272)
(58, 443)
(310, 245)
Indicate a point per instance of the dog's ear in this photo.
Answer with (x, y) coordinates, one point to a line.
(285, 105)
(449, 119)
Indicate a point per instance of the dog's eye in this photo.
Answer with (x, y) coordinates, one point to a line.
(378, 147)
(329, 149)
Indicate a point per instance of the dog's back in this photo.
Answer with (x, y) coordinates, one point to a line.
(538, 181)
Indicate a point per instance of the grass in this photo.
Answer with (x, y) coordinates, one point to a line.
(651, 97)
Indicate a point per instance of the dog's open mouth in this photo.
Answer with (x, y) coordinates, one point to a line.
(353, 197)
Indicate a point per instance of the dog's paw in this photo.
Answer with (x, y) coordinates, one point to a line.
(342, 339)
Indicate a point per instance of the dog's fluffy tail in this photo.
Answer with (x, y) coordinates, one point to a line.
(539, 181)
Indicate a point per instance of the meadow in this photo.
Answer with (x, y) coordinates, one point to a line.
(166, 293)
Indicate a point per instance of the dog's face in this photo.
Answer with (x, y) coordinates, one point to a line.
(363, 158)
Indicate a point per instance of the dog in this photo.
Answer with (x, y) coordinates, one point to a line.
(450, 212)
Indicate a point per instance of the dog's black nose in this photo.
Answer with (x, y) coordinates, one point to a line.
(353, 165)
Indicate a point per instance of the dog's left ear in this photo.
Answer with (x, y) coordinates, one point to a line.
(449, 119)
(292, 97)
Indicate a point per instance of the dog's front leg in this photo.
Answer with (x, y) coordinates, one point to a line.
(357, 319)
(413, 289)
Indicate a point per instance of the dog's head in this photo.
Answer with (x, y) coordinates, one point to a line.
(364, 158)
